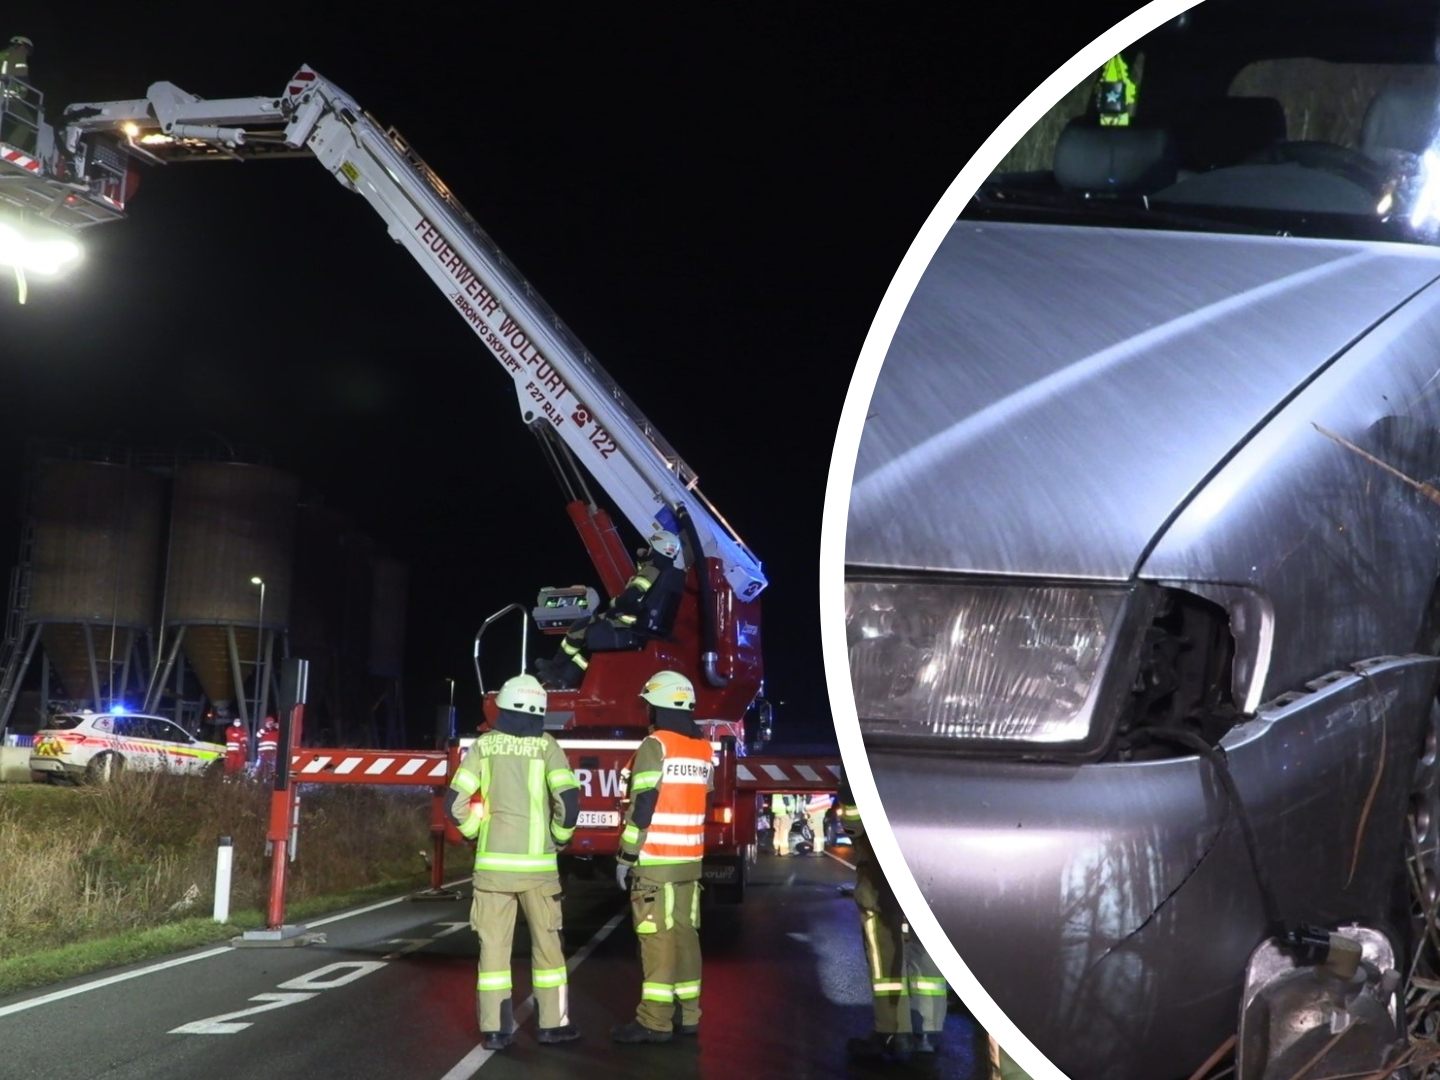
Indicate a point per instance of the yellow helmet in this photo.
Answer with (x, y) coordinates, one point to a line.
(669, 690)
(522, 694)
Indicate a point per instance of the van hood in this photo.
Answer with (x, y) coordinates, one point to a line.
(1054, 395)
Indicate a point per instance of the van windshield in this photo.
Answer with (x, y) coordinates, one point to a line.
(1314, 118)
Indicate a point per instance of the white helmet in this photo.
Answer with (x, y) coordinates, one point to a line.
(670, 690)
(666, 543)
(522, 694)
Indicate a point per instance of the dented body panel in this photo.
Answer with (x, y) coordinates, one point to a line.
(1110, 908)
(1259, 426)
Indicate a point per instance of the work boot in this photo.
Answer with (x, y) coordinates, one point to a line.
(496, 1040)
(562, 1034)
(682, 1028)
(927, 1042)
(561, 673)
(636, 1032)
(881, 1045)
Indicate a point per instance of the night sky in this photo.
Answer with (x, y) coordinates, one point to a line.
(714, 200)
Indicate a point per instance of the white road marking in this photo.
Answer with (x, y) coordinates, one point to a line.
(377, 907)
(466, 1066)
(340, 973)
(411, 944)
(842, 862)
(224, 1023)
(110, 980)
(451, 927)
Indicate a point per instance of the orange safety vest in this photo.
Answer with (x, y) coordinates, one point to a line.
(677, 829)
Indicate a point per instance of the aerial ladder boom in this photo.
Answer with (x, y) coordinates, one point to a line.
(558, 383)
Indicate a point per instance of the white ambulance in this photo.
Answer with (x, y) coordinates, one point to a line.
(94, 746)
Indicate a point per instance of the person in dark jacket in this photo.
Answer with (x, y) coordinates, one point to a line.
(645, 609)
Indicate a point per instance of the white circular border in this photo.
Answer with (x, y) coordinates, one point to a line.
(837, 499)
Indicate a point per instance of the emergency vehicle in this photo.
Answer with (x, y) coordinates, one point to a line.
(81, 174)
(95, 746)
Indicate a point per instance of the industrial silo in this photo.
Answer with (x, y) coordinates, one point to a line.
(228, 585)
(89, 573)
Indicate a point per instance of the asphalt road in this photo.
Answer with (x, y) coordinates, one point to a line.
(390, 993)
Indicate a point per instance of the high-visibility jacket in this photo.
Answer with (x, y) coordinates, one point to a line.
(651, 598)
(236, 741)
(518, 819)
(679, 769)
(269, 740)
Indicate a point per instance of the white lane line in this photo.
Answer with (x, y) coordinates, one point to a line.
(376, 907)
(110, 980)
(466, 1066)
(843, 862)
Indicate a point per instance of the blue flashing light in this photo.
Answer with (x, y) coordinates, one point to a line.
(117, 709)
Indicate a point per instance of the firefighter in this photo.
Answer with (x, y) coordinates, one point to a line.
(816, 807)
(660, 852)
(902, 975)
(517, 798)
(783, 810)
(644, 609)
(15, 58)
(268, 748)
(237, 748)
(19, 117)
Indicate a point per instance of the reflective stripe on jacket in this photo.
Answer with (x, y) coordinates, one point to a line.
(507, 800)
(680, 769)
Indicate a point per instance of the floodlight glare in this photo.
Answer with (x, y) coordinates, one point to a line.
(46, 255)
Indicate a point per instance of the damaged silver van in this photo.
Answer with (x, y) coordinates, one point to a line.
(1143, 557)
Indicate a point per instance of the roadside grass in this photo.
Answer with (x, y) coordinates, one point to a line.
(92, 877)
(132, 946)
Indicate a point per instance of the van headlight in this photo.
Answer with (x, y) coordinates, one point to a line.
(991, 665)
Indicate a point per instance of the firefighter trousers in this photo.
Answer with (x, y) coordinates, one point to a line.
(883, 924)
(492, 914)
(667, 921)
(929, 996)
(783, 823)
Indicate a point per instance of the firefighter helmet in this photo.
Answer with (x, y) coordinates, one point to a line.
(670, 690)
(522, 694)
(19, 39)
(665, 542)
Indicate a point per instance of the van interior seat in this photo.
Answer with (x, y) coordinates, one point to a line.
(1128, 160)
(1403, 117)
(1217, 132)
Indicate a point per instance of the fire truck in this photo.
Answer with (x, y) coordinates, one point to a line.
(80, 173)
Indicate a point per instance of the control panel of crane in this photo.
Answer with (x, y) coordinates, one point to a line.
(558, 609)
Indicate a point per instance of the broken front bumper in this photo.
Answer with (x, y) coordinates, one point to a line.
(1110, 909)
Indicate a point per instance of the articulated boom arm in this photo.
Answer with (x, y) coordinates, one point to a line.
(558, 382)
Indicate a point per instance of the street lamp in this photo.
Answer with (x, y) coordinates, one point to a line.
(259, 637)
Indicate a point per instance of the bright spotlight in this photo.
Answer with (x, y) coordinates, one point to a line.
(47, 254)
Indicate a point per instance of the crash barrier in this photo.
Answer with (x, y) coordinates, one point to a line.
(428, 768)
